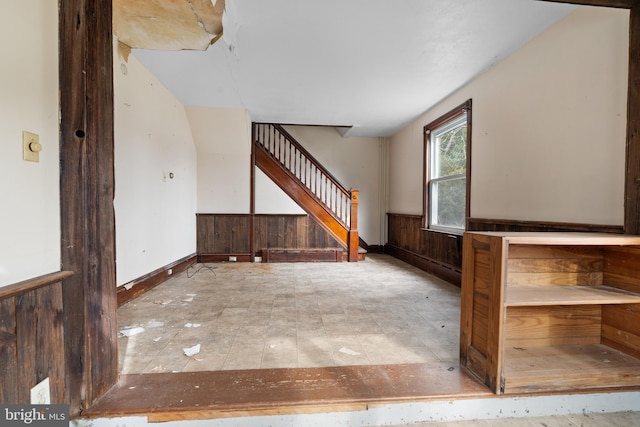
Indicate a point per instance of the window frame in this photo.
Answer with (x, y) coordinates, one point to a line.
(442, 121)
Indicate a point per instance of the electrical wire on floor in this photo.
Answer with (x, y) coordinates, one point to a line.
(202, 267)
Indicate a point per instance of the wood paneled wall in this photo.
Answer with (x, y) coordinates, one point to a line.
(435, 252)
(32, 339)
(441, 253)
(291, 232)
(483, 224)
(222, 233)
(229, 234)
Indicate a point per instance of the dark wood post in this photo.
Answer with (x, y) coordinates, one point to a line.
(632, 175)
(86, 199)
(252, 200)
(353, 243)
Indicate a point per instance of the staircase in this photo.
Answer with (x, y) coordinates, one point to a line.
(310, 184)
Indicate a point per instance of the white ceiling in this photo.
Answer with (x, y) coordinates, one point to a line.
(371, 64)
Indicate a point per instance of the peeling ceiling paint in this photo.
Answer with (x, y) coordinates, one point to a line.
(168, 24)
(370, 66)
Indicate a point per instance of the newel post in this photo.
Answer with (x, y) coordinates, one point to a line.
(353, 243)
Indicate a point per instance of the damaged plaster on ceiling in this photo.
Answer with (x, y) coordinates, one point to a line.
(368, 67)
(168, 24)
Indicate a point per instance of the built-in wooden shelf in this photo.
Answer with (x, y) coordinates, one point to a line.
(551, 311)
(567, 367)
(567, 295)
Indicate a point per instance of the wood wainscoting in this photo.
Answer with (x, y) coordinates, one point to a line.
(32, 338)
(484, 224)
(220, 236)
(437, 253)
(441, 253)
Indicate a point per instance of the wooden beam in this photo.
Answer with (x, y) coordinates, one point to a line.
(623, 4)
(632, 169)
(86, 199)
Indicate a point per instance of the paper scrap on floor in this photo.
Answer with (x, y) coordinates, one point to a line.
(132, 331)
(190, 351)
(349, 352)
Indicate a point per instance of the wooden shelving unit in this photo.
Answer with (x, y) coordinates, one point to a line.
(551, 311)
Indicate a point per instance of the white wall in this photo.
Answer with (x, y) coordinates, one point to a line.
(30, 210)
(222, 137)
(549, 127)
(223, 141)
(270, 199)
(155, 214)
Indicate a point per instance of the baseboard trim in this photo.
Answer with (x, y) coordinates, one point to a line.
(446, 272)
(240, 257)
(149, 281)
(375, 249)
(302, 255)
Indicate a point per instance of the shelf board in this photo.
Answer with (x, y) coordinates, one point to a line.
(568, 367)
(567, 295)
(563, 238)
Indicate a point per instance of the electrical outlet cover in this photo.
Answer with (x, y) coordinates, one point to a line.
(40, 394)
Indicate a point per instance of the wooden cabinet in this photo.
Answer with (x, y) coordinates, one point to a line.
(551, 311)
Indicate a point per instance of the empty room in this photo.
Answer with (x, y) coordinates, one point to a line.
(274, 213)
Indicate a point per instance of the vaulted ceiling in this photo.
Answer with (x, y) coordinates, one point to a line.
(369, 65)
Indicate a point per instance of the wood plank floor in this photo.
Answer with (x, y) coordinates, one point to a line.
(215, 394)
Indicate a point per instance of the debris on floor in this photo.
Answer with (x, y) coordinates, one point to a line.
(132, 331)
(349, 352)
(259, 304)
(188, 298)
(190, 351)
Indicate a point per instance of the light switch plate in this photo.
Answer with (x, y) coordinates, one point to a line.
(31, 146)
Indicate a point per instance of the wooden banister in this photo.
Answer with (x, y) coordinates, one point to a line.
(312, 178)
(354, 242)
(308, 155)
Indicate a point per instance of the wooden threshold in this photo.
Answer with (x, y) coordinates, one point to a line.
(220, 394)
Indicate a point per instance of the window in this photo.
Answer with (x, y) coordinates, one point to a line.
(447, 143)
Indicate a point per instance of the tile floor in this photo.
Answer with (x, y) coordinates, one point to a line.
(245, 316)
(248, 316)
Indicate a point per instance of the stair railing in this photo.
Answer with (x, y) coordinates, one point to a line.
(337, 200)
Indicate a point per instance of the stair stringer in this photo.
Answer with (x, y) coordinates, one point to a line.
(300, 195)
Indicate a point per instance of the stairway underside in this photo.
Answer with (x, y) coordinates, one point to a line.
(305, 200)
